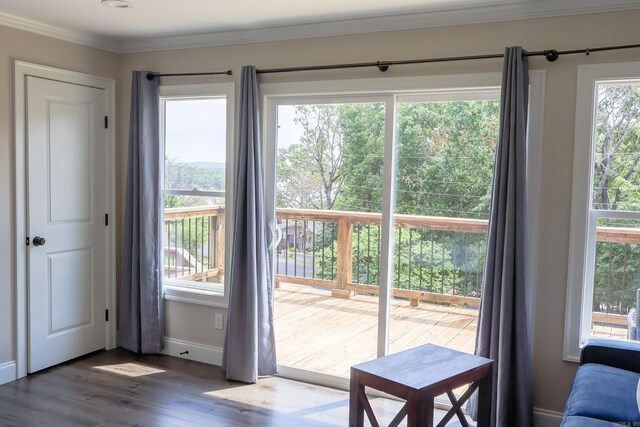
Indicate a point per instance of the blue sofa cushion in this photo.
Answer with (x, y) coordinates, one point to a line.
(604, 393)
(577, 421)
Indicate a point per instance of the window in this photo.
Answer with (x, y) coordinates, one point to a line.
(195, 134)
(604, 275)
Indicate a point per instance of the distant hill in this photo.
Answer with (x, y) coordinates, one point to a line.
(206, 165)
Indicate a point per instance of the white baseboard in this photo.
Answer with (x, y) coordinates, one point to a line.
(546, 418)
(7, 372)
(197, 352)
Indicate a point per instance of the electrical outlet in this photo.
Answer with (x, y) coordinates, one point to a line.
(218, 320)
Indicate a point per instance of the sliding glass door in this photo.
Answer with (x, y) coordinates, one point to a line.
(380, 207)
(445, 159)
(329, 157)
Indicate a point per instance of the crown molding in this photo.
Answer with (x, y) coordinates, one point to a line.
(471, 15)
(37, 27)
(510, 11)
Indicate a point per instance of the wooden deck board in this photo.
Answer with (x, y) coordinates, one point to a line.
(315, 331)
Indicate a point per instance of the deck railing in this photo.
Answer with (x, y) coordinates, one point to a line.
(193, 240)
(435, 258)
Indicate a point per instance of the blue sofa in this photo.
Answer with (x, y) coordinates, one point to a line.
(605, 390)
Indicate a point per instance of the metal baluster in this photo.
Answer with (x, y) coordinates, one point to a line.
(313, 252)
(190, 250)
(410, 257)
(399, 256)
(378, 250)
(286, 247)
(454, 272)
(421, 260)
(609, 277)
(304, 248)
(466, 264)
(357, 229)
(195, 254)
(432, 262)
(624, 282)
(323, 248)
(333, 249)
(442, 268)
(295, 248)
(368, 254)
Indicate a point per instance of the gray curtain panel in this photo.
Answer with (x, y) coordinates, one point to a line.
(249, 347)
(140, 327)
(503, 331)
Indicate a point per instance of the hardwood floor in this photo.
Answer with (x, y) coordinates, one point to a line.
(114, 388)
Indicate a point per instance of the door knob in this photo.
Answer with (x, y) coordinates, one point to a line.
(38, 241)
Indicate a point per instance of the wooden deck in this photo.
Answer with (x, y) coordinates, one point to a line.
(317, 332)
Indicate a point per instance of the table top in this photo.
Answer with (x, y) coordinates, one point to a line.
(423, 366)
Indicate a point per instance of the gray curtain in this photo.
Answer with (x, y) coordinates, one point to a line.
(140, 327)
(503, 331)
(249, 347)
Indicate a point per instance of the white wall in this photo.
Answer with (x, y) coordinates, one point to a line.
(20, 45)
(552, 376)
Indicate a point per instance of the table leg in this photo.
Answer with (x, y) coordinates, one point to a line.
(419, 410)
(485, 400)
(356, 410)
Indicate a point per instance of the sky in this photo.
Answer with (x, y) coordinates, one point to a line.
(196, 129)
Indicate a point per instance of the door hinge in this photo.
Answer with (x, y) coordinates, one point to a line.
(106, 315)
(106, 220)
(106, 122)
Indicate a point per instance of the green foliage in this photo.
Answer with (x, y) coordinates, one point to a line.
(616, 277)
(445, 162)
(191, 176)
(616, 186)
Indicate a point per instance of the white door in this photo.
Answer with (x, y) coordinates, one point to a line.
(66, 155)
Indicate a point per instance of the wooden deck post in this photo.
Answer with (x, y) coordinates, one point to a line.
(345, 256)
(221, 244)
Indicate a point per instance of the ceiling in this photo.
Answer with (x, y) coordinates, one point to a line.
(158, 24)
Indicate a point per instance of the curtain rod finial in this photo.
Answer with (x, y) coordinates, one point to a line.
(383, 65)
(229, 73)
(151, 76)
(551, 55)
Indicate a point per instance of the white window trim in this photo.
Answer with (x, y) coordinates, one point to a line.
(582, 237)
(481, 85)
(214, 295)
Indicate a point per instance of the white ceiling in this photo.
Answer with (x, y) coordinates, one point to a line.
(157, 24)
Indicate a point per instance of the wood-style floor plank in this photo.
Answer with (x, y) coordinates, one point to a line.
(118, 388)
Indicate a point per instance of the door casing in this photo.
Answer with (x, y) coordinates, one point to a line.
(21, 71)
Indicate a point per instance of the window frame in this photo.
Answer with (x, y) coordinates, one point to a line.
(214, 294)
(582, 243)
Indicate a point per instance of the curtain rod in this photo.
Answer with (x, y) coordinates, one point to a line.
(151, 76)
(551, 55)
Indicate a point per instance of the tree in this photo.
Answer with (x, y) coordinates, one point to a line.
(616, 186)
(309, 171)
(617, 148)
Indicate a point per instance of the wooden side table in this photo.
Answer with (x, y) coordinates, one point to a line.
(417, 376)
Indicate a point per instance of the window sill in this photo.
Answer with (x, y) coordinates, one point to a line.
(193, 295)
